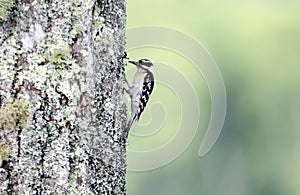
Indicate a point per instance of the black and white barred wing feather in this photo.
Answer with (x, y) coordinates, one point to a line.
(146, 92)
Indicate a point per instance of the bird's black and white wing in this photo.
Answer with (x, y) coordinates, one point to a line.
(148, 86)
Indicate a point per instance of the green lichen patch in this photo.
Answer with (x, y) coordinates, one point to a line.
(60, 54)
(60, 57)
(5, 6)
(13, 114)
(4, 152)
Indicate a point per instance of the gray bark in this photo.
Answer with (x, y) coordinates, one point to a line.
(62, 115)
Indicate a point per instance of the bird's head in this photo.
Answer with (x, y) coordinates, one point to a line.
(143, 63)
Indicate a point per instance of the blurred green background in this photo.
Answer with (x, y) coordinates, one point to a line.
(256, 45)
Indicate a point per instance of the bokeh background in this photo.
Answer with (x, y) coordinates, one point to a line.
(256, 45)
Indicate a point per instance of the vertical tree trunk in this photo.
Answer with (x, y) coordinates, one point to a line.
(62, 114)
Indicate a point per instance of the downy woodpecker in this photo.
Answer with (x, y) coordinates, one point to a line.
(140, 90)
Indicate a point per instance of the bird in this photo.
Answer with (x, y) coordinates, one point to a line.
(140, 89)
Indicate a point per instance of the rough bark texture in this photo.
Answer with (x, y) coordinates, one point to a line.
(62, 114)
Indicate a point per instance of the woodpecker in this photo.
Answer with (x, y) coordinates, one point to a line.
(141, 89)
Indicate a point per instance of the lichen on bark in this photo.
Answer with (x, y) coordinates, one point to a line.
(65, 61)
(5, 7)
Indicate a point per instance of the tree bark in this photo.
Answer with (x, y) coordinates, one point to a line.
(62, 115)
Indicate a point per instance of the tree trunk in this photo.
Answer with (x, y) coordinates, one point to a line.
(62, 115)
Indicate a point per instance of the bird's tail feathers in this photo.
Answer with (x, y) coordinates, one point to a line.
(130, 122)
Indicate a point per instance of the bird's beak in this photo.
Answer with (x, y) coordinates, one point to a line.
(133, 62)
